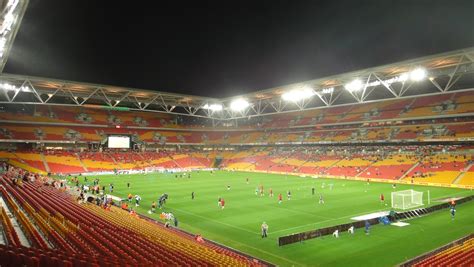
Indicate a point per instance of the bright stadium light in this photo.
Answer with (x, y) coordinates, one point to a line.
(403, 77)
(10, 87)
(417, 74)
(298, 94)
(354, 86)
(239, 104)
(213, 107)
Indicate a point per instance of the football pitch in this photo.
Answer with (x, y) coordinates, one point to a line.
(238, 225)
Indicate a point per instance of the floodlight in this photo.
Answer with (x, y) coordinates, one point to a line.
(298, 94)
(403, 77)
(213, 107)
(417, 74)
(10, 87)
(239, 104)
(353, 86)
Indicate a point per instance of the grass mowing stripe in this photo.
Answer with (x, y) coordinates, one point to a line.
(216, 221)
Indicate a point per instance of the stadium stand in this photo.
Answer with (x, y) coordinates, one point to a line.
(81, 234)
(457, 253)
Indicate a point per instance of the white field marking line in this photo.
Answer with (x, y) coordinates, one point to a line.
(302, 212)
(212, 220)
(333, 219)
(448, 195)
(301, 226)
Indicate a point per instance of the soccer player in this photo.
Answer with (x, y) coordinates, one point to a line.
(280, 198)
(453, 212)
(382, 198)
(312, 190)
(228, 187)
(261, 191)
(247, 180)
(192, 195)
(137, 200)
(222, 203)
(129, 197)
(270, 192)
(367, 227)
(321, 200)
(351, 230)
(256, 191)
(128, 185)
(153, 206)
(394, 186)
(264, 228)
(219, 202)
(336, 234)
(288, 195)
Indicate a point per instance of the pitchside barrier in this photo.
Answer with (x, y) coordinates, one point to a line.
(299, 237)
(389, 181)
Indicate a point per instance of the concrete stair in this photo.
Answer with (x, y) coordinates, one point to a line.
(45, 163)
(81, 162)
(462, 173)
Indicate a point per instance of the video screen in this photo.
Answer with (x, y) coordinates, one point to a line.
(116, 141)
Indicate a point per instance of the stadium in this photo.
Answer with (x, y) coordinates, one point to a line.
(368, 168)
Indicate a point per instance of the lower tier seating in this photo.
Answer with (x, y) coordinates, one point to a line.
(85, 234)
(457, 255)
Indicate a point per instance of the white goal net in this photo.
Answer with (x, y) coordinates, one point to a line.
(407, 199)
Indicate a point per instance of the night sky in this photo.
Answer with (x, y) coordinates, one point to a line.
(225, 48)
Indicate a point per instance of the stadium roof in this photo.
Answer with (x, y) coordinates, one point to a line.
(11, 14)
(435, 74)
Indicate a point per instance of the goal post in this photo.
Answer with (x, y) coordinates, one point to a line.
(407, 199)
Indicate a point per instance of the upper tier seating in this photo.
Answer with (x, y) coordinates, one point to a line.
(437, 105)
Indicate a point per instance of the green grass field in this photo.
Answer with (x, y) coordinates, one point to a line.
(238, 225)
